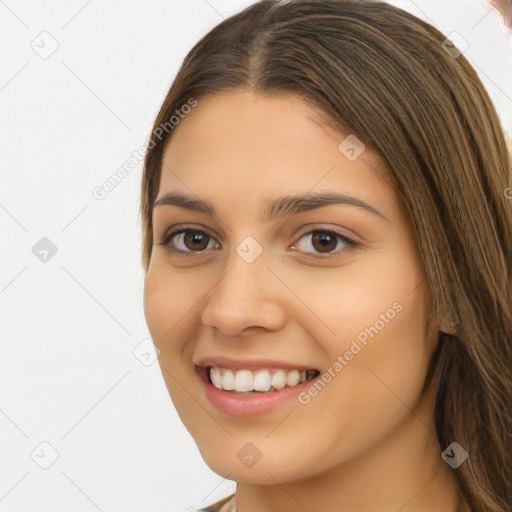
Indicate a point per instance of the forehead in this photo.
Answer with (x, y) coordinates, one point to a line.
(265, 144)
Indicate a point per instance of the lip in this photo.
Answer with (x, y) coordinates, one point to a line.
(248, 364)
(248, 406)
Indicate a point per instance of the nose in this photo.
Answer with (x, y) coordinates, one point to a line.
(248, 296)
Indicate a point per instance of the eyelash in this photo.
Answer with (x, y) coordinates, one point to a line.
(350, 243)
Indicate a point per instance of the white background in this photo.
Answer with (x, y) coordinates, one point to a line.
(69, 326)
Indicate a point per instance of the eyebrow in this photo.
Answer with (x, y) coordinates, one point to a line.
(275, 208)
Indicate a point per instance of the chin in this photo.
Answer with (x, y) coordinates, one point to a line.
(263, 472)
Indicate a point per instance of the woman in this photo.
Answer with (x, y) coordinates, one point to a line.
(327, 246)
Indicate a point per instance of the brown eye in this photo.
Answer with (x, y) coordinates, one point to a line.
(195, 240)
(324, 241)
(188, 241)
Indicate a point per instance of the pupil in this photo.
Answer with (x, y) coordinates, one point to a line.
(325, 239)
(194, 237)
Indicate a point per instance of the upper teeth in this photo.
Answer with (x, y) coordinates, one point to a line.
(256, 380)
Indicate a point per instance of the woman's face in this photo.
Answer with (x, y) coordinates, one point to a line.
(264, 282)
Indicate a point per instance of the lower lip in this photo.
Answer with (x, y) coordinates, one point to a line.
(246, 406)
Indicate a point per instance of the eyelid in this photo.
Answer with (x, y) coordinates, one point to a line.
(176, 228)
(308, 228)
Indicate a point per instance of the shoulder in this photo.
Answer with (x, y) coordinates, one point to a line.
(218, 506)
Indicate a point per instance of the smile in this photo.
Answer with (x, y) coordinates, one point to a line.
(265, 380)
(244, 393)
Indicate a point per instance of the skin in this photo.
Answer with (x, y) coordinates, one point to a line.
(366, 441)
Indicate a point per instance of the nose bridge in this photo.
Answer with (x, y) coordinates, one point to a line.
(244, 273)
(243, 297)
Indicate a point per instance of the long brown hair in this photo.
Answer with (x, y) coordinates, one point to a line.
(379, 72)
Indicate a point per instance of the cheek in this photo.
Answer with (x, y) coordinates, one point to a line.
(376, 319)
(169, 299)
(157, 303)
(168, 309)
(355, 300)
(383, 379)
(172, 301)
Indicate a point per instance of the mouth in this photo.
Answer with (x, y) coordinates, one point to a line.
(245, 393)
(247, 382)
